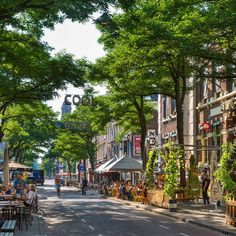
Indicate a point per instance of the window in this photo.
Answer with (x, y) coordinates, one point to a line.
(165, 106)
(173, 105)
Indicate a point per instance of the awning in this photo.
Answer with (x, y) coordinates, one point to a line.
(101, 168)
(124, 164)
(18, 166)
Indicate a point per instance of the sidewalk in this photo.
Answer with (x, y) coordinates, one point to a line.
(199, 214)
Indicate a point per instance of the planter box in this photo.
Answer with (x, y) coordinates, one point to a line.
(156, 197)
(231, 212)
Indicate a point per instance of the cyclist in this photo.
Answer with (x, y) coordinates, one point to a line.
(58, 187)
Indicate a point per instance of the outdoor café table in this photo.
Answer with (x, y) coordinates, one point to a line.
(6, 197)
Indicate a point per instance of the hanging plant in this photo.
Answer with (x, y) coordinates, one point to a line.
(170, 155)
(227, 166)
(152, 158)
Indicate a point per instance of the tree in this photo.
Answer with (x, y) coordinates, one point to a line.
(76, 140)
(147, 50)
(29, 130)
(90, 121)
(127, 92)
(159, 39)
(28, 72)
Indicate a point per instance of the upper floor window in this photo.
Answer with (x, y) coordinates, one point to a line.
(165, 106)
(173, 105)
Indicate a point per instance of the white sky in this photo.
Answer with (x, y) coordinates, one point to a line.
(78, 39)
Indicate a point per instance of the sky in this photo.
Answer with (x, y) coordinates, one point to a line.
(79, 40)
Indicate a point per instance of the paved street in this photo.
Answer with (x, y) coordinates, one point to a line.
(74, 214)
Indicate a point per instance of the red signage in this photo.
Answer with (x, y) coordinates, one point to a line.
(137, 145)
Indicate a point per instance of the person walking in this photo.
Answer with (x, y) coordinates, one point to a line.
(205, 186)
(84, 186)
(58, 186)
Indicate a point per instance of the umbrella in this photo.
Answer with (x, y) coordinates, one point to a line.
(102, 167)
(63, 174)
(124, 164)
(18, 166)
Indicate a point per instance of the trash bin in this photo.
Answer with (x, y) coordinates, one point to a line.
(173, 205)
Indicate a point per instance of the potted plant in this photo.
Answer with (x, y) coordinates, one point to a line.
(224, 174)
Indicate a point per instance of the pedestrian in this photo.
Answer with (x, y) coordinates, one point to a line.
(19, 185)
(84, 186)
(205, 186)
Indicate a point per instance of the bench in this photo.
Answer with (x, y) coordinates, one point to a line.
(6, 234)
(8, 226)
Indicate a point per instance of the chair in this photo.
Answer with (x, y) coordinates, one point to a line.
(8, 213)
(136, 197)
(23, 214)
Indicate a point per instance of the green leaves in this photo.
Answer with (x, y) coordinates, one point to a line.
(224, 171)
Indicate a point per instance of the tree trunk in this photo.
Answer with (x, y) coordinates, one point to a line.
(142, 120)
(78, 168)
(69, 168)
(180, 128)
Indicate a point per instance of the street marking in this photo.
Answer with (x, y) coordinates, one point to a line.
(164, 227)
(91, 227)
(83, 220)
(147, 220)
(184, 234)
(100, 235)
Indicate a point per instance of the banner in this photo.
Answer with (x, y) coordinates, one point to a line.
(137, 145)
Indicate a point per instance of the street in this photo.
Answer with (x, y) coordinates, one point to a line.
(74, 214)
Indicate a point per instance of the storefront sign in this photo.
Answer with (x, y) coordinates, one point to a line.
(77, 99)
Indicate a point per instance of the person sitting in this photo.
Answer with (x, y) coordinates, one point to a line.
(122, 191)
(10, 189)
(30, 196)
(145, 194)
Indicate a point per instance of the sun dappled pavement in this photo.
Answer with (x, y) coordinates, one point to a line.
(74, 214)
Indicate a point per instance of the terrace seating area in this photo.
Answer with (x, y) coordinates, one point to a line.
(127, 191)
